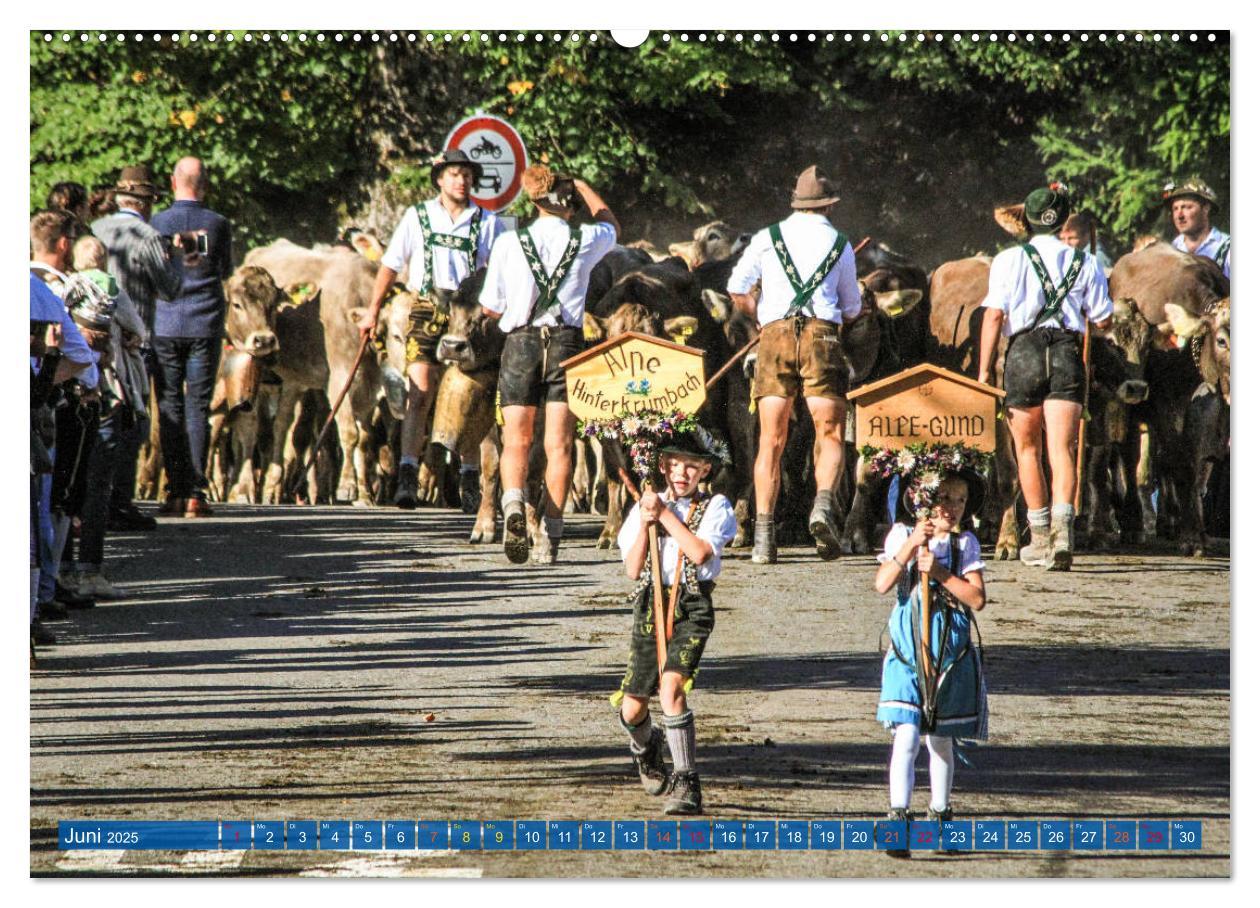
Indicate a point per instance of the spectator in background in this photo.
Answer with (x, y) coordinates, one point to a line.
(145, 267)
(71, 197)
(187, 337)
(101, 204)
(1191, 205)
(1080, 231)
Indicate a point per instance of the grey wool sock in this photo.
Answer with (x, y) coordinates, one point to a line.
(640, 734)
(1039, 517)
(511, 495)
(1063, 511)
(680, 732)
(553, 526)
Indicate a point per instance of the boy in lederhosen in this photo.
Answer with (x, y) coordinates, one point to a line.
(808, 291)
(694, 529)
(1041, 295)
(536, 290)
(440, 242)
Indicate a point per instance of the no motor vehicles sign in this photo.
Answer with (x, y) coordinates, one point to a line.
(497, 147)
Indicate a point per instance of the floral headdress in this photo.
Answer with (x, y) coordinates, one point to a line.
(645, 431)
(923, 467)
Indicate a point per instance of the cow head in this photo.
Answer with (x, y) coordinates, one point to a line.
(1131, 338)
(252, 302)
(472, 340)
(712, 242)
(634, 317)
(1210, 340)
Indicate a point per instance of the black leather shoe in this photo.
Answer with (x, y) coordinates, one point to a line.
(70, 599)
(42, 635)
(130, 520)
(51, 611)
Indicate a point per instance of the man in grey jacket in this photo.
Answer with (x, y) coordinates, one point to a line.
(142, 263)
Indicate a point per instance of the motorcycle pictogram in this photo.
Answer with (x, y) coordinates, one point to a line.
(485, 146)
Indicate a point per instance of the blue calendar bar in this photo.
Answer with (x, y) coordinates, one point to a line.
(334, 835)
(629, 835)
(990, 835)
(597, 836)
(300, 835)
(1187, 835)
(1056, 835)
(1121, 835)
(564, 835)
(367, 835)
(759, 835)
(268, 835)
(496, 836)
(824, 835)
(662, 835)
(465, 835)
(1153, 835)
(728, 835)
(152, 835)
(1087, 835)
(236, 835)
(859, 835)
(531, 835)
(433, 835)
(400, 835)
(693, 835)
(956, 835)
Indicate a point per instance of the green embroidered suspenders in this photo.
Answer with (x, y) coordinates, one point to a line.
(1221, 254)
(1055, 296)
(464, 244)
(804, 291)
(548, 285)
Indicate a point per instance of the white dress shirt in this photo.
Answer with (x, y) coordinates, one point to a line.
(717, 528)
(1208, 248)
(970, 555)
(809, 237)
(510, 287)
(1015, 289)
(450, 266)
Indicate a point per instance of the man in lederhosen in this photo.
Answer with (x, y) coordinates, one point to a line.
(1040, 295)
(440, 242)
(536, 289)
(1190, 205)
(809, 290)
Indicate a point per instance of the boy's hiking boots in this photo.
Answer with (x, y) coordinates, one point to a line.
(650, 762)
(684, 794)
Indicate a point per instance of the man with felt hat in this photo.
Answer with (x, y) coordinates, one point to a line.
(440, 243)
(1042, 296)
(1190, 206)
(535, 290)
(809, 290)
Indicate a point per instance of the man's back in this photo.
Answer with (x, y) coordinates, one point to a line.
(138, 261)
(197, 310)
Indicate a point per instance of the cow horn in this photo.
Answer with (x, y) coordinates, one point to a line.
(896, 303)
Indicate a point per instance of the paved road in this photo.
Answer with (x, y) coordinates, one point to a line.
(343, 663)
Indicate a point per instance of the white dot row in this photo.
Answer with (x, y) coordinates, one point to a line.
(520, 37)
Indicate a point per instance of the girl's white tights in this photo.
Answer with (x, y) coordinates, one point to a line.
(905, 748)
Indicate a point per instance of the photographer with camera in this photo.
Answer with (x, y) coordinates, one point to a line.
(142, 263)
(187, 332)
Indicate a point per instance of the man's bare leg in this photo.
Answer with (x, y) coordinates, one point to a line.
(828, 414)
(518, 434)
(1027, 428)
(775, 415)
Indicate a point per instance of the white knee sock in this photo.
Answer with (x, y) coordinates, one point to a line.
(905, 748)
(940, 769)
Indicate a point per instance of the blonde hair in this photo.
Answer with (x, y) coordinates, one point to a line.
(89, 254)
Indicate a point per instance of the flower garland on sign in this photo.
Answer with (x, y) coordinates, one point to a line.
(642, 433)
(923, 466)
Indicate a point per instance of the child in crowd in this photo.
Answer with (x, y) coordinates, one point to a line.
(694, 529)
(956, 706)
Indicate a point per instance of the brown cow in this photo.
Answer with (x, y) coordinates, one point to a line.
(317, 344)
(712, 242)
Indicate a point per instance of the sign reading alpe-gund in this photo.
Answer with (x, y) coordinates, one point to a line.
(634, 372)
(926, 404)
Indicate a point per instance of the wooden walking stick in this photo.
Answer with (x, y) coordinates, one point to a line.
(925, 632)
(743, 351)
(658, 592)
(323, 433)
(1080, 425)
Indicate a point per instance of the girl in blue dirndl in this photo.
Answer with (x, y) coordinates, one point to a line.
(910, 704)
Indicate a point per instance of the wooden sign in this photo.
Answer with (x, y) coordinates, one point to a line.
(634, 372)
(926, 404)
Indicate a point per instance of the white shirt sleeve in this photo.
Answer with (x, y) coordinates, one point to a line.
(1000, 285)
(494, 290)
(971, 560)
(629, 531)
(747, 270)
(718, 526)
(1097, 299)
(598, 239)
(491, 228)
(893, 542)
(847, 291)
(402, 243)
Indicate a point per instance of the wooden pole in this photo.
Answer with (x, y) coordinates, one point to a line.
(1080, 426)
(323, 433)
(743, 351)
(925, 631)
(658, 592)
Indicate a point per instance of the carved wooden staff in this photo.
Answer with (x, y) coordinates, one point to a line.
(925, 635)
(744, 350)
(658, 592)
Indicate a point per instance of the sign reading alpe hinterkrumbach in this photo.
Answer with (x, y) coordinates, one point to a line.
(926, 404)
(634, 372)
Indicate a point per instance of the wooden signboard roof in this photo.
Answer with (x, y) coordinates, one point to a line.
(862, 393)
(634, 372)
(927, 404)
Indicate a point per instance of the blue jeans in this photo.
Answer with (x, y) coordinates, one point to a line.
(185, 372)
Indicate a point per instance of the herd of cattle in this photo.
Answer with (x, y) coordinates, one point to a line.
(1158, 412)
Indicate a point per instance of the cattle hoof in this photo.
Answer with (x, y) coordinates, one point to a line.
(605, 542)
(1005, 552)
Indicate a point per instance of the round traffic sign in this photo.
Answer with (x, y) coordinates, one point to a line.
(494, 144)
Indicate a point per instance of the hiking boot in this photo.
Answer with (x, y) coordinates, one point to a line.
(822, 526)
(940, 817)
(684, 794)
(1060, 556)
(408, 493)
(515, 533)
(764, 549)
(548, 552)
(51, 610)
(129, 519)
(903, 816)
(650, 762)
(1034, 554)
(70, 596)
(41, 635)
(197, 507)
(94, 584)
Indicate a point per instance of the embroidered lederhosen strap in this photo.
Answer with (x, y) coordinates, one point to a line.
(464, 244)
(1055, 296)
(699, 504)
(548, 284)
(804, 290)
(1221, 254)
